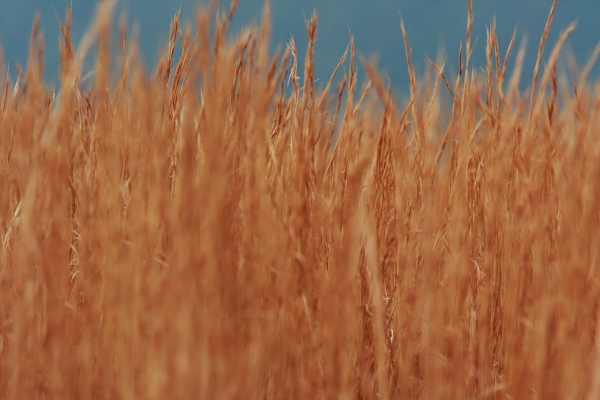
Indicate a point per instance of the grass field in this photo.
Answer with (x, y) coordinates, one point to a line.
(223, 229)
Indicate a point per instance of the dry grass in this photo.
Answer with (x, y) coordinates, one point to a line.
(223, 229)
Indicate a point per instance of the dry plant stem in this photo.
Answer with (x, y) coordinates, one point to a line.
(227, 228)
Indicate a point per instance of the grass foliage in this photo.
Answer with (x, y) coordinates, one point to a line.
(224, 229)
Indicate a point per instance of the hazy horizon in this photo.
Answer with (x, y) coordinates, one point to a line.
(435, 28)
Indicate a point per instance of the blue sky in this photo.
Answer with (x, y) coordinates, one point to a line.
(434, 27)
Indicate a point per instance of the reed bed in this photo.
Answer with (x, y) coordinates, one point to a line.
(223, 229)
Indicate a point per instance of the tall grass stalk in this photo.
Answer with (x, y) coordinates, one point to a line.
(223, 228)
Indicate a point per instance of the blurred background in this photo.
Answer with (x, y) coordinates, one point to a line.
(435, 28)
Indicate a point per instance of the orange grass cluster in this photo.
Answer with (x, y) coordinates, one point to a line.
(223, 229)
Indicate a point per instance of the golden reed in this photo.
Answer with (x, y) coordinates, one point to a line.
(223, 229)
